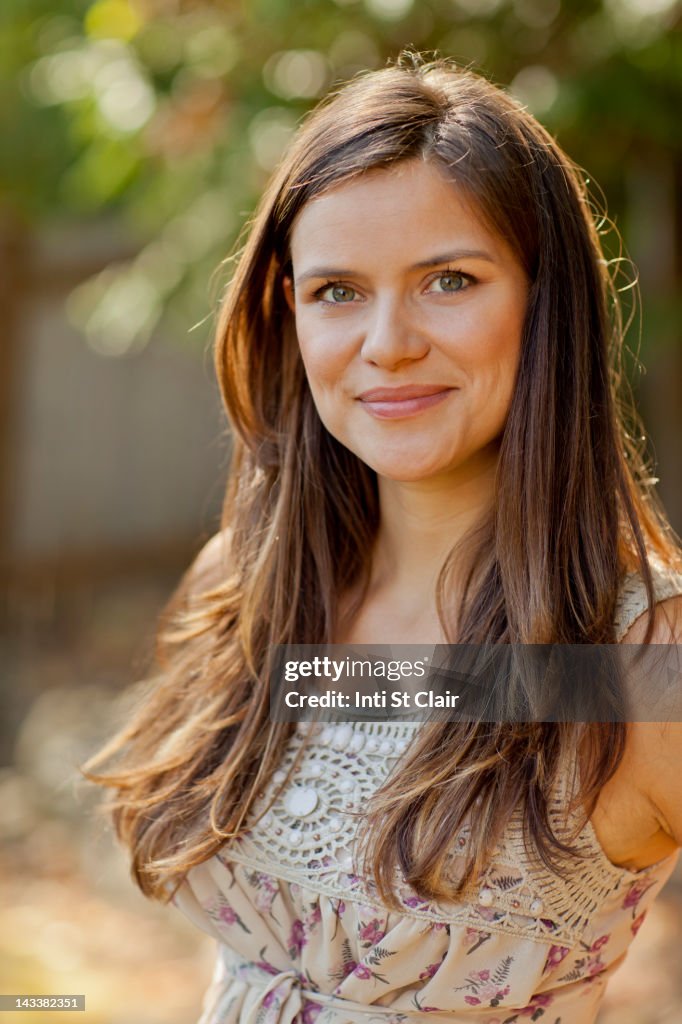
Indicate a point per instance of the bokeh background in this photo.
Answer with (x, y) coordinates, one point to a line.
(135, 138)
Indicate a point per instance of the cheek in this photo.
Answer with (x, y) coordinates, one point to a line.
(489, 354)
(489, 349)
(499, 334)
(324, 357)
(499, 378)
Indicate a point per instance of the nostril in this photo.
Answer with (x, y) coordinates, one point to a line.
(392, 340)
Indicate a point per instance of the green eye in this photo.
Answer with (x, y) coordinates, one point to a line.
(451, 282)
(339, 293)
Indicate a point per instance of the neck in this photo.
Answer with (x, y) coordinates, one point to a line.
(421, 522)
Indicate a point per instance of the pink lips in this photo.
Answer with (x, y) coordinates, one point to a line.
(395, 403)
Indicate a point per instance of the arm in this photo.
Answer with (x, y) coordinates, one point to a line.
(656, 747)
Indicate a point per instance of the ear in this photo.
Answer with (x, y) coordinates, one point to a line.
(288, 288)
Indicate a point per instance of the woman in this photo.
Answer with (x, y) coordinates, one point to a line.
(419, 357)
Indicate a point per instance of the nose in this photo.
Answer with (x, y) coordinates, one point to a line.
(392, 336)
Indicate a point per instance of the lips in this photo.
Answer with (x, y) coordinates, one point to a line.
(406, 400)
(402, 394)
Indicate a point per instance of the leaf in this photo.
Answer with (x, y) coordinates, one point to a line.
(379, 954)
(502, 970)
(506, 882)
(574, 975)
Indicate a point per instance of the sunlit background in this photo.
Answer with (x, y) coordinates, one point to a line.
(136, 138)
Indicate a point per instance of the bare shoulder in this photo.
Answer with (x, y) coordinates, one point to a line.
(211, 565)
(656, 747)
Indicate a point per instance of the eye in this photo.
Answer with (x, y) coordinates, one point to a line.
(450, 281)
(336, 294)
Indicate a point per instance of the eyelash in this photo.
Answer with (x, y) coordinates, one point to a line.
(447, 272)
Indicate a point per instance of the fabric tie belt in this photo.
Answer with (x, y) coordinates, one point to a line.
(281, 999)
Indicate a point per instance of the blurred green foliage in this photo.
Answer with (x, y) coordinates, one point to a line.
(172, 113)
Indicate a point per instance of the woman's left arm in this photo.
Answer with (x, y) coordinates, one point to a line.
(658, 745)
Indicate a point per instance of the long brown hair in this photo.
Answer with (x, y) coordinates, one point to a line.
(571, 515)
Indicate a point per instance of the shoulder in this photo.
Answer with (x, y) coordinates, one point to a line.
(188, 611)
(656, 747)
(211, 566)
(667, 626)
(632, 610)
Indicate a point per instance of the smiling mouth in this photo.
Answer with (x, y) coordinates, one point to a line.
(396, 403)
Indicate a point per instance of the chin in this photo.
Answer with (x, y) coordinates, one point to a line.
(403, 477)
(404, 470)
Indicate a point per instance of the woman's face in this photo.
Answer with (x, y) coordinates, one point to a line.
(409, 312)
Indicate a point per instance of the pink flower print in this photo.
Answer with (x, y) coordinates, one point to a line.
(430, 971)
(362, 971)
(314, 917)
(311, 1011)
(555, 956)
(265, 897)
(594, 965)
(535, 1007)
(414, 901)
(228, 915)
(297, 939)
(371, 932)
(475, 937)
(344, 970)
(637, 923)
(270, 999)
(492, 992)
(263, 902)
(635, 893)
(488, 985)
(599, 943)
(264, 881)
(488, 913)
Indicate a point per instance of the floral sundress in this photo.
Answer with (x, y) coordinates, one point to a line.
(302, 938)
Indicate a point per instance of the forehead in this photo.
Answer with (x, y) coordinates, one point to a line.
(409, 204)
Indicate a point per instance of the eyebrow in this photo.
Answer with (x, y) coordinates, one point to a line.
(432, 261)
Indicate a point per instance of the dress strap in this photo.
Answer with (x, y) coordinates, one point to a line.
(633, 600)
